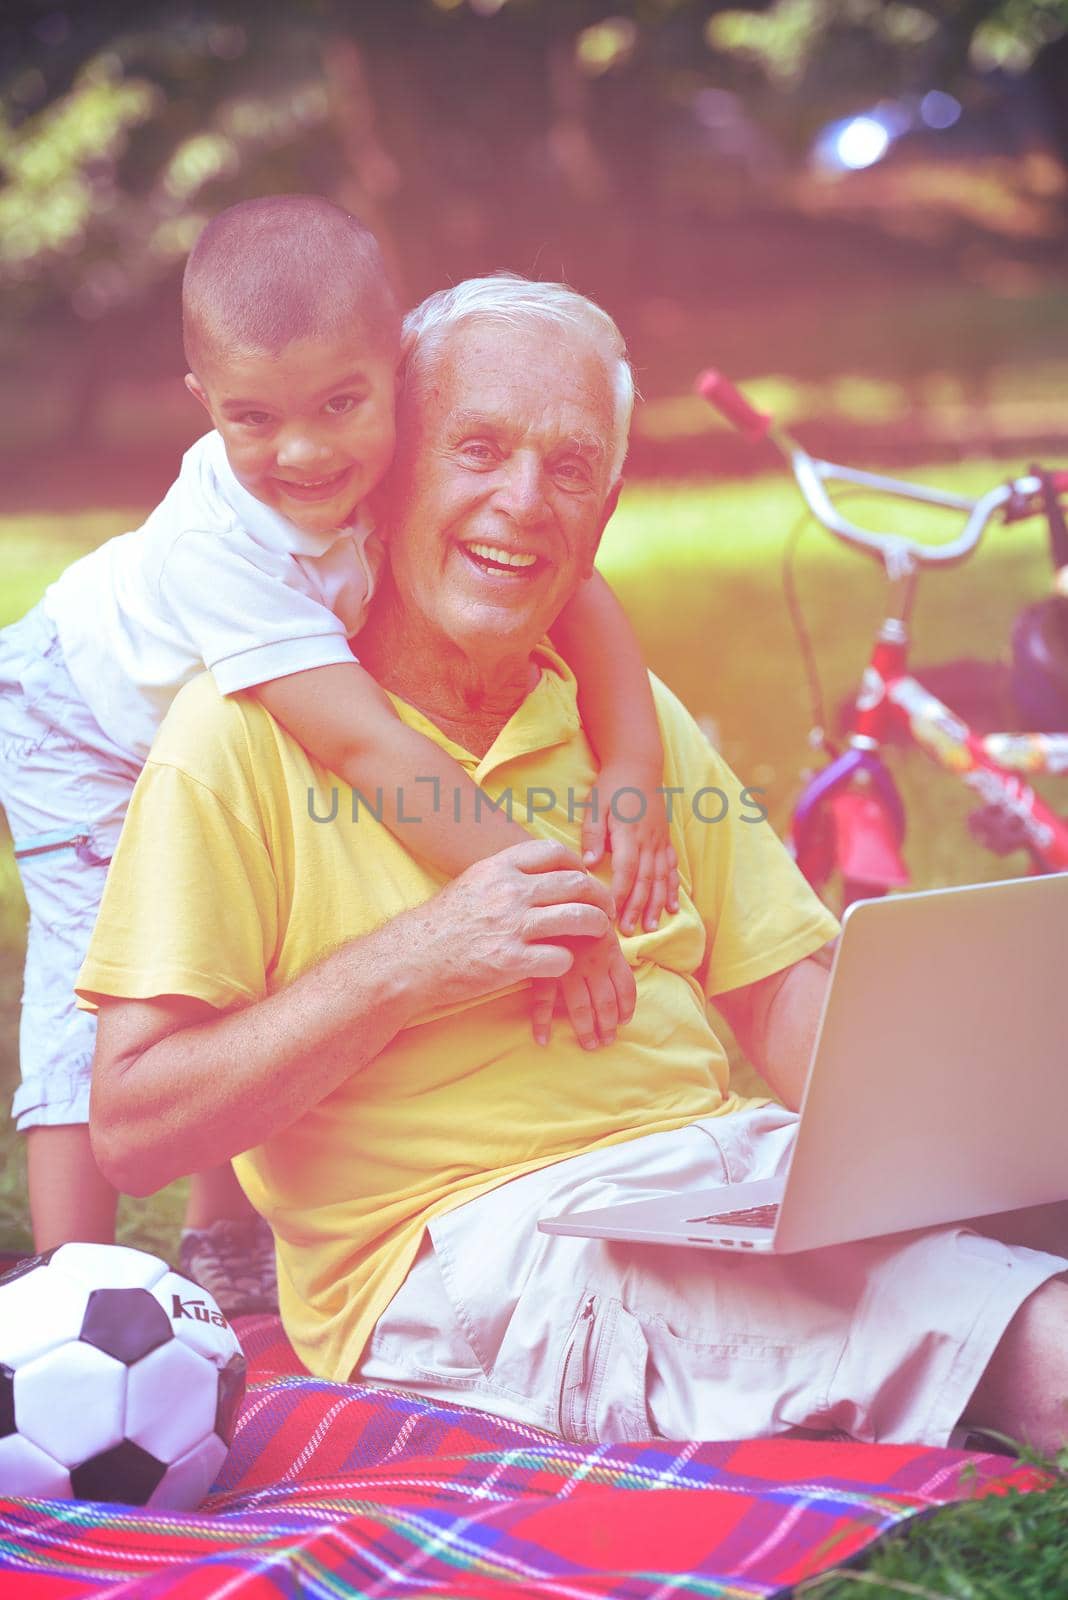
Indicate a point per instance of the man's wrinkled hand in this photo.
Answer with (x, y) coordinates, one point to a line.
(508, 919)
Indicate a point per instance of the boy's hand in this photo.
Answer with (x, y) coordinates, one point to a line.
(645, 876)
(598, 993)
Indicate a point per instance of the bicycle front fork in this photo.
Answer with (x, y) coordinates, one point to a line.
(850, 819)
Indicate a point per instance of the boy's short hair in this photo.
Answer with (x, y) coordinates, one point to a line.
(284, 267)
(507, 299)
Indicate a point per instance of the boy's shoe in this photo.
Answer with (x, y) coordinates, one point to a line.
(234, 1261)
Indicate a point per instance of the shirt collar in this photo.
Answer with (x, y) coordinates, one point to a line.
(547, 716)
(267, 527)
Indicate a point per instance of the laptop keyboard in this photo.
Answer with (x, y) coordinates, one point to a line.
(751, 1217)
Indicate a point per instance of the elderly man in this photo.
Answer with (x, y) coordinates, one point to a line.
(301, 996)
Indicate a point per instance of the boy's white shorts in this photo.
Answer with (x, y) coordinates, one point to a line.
(65, 787)
(883, 1340)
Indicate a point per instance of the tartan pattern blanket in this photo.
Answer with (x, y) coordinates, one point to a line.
(336, 1489)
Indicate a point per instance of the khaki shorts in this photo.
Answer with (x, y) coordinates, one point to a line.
(882, 1340)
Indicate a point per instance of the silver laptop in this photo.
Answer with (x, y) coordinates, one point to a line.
(938, 1089)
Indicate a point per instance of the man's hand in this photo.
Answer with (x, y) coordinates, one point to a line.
(509, 918)
(161, 1106)
(598, 994)
(645, 877)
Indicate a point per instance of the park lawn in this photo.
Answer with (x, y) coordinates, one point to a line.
(698, 566)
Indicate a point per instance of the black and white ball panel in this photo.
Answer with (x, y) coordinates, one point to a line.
(125, 1323)
(71, 1401)
(119, 1380)
(195, 1318)
(41, 1310)
(30, 1472)
(115, 1265)
(171, 1402)
(125, 1472)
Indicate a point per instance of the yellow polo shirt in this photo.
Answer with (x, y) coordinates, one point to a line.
(224, 887)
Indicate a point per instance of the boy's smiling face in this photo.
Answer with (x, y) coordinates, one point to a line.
(308, 432)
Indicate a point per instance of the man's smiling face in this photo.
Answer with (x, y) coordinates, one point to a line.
(503, 483)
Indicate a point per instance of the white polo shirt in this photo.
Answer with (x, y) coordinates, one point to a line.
(213, 579)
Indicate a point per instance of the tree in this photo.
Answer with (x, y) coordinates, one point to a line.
(580, 137)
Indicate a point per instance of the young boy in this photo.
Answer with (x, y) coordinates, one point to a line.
(259, 564)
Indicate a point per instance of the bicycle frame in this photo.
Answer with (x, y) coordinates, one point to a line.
(861, 794)
(850, 816)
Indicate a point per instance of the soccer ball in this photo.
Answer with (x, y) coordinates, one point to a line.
(119, 1380)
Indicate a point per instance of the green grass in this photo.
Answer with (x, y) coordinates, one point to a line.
(1012, 1547)
(37, 548)
(698, 567)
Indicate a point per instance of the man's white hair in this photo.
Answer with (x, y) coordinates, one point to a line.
(509, 300)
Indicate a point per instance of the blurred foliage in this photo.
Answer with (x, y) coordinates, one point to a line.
(641, 148)
(122, 126)
(106, 173)
(843, 48)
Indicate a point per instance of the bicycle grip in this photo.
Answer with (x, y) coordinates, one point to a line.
(732, 405)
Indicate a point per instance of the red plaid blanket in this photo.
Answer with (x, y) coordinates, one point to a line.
(333, 1489)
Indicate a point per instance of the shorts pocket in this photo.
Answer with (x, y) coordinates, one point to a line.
(601, 1390)
(731, 1388)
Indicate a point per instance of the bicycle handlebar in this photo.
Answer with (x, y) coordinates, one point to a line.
(896, 552)
(733, 406)
(899, 555)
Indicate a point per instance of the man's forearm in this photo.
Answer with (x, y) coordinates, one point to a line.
(204, 1092)
(776, 1021)
(785, 1033)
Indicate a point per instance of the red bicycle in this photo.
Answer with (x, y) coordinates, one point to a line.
(850, 819)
